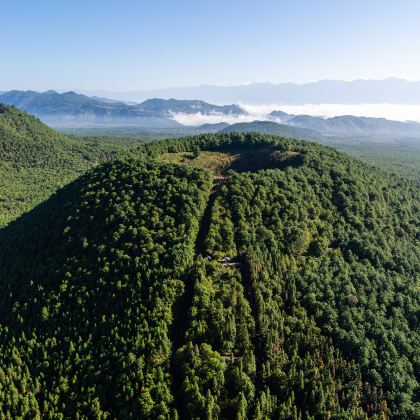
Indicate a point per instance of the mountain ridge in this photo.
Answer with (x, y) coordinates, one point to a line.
(70, 109)
(349, 124)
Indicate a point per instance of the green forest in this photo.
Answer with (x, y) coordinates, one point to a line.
(35, 160)
(217, 276)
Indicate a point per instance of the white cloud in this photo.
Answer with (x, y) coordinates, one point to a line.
(399, 112)
(199, 118)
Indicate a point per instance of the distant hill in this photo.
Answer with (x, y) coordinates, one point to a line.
(165, 107)
(349, 124)
(72, 109)
(272, 128)
(212, 128)
(281, 115)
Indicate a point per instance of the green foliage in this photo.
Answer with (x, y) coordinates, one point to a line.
(35, 160)
(203, 373)
(94, 319)
(220, 239)
(400, 156)
(344, 249)
(110, 306)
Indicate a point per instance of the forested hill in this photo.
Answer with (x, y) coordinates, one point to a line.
(36, 160)
(116, 299)
(272, 128)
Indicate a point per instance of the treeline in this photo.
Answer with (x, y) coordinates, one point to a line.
(224, 142)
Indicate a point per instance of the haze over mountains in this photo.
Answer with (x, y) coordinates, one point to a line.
(391, 90)
(71, 109)
(348, 124)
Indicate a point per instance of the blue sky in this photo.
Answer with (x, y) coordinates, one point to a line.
(128, 45)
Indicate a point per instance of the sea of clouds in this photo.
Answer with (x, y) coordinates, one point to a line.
(398, 112)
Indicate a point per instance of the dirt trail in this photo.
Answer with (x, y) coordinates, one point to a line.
(181, 312)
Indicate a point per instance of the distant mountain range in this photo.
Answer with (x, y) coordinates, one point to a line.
(348, 125)
(392, 90)
(71, 109)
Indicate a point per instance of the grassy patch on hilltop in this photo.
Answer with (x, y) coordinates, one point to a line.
(239, 160)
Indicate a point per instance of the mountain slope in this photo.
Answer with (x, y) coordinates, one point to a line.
(129, 221)
(164, 107)
(114, 301)
(212, 128)
(36, 160)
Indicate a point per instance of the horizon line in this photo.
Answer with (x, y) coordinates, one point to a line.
(214, 85)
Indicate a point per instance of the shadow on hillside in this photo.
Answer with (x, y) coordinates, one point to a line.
(253, 160)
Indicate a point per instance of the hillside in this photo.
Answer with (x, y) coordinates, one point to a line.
(397, 156)
(115, 299)
(36, 160)
(164, 107)
(271, 128)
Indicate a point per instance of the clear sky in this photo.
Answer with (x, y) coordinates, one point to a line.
(128, 45)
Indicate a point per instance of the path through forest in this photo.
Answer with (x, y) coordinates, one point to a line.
(181, 312)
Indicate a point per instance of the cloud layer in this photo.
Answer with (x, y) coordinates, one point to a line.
(398, 112)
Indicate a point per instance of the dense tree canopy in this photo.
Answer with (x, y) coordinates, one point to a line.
(35, 160)
(90, 317)
(284, 287)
